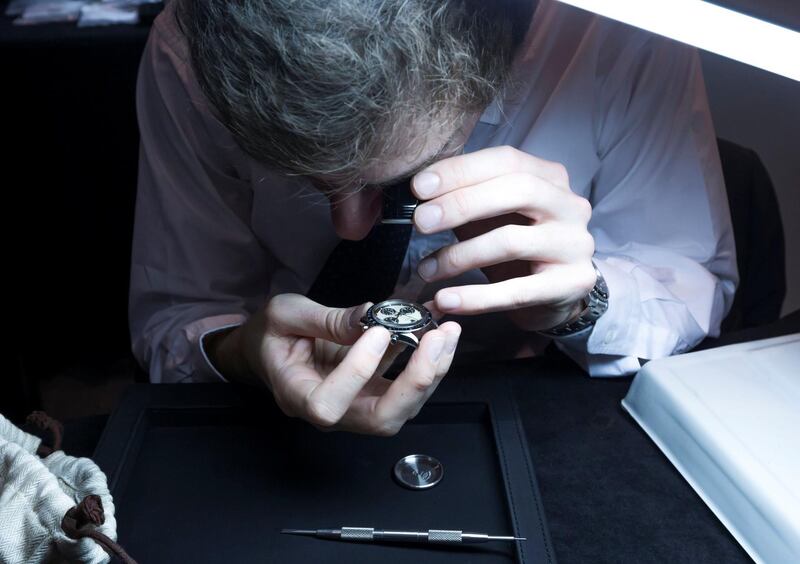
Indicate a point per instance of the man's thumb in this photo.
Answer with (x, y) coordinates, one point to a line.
(296, 315)
(343, 325)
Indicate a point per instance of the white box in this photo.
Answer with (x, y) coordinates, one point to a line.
(729, 420)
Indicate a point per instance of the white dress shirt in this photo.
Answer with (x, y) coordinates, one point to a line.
(217, 233)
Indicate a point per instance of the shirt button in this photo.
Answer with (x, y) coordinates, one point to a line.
(610, 335)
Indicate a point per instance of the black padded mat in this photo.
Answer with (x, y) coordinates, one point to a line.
(206, 474)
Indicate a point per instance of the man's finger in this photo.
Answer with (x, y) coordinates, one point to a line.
(294, 384)
(553, 285)
(546, 242)
(296, 315)
(330, 400)
(430, 305)
(453, 332)
(479, 166)
(357, 419)
(517, 192)
(418, 380)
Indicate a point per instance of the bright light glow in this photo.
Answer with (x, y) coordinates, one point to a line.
(710, 27)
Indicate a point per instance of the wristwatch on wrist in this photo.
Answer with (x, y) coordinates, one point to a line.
(596, 304)
(406, 321)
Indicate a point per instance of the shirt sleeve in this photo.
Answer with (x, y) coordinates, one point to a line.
(196, 265)
(663, 237)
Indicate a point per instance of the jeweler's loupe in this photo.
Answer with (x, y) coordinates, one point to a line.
(398, 204)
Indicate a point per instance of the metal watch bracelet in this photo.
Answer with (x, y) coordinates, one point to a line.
(596, 305)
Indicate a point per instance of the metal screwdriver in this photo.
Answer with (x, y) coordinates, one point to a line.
(368, 534)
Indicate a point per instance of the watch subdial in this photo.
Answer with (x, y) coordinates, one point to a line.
(386, 313)
(409, 316)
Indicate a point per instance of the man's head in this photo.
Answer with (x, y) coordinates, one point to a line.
(351, 92)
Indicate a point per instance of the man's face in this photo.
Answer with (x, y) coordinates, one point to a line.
(354, 213)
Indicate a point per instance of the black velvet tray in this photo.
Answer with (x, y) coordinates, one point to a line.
(207, 473)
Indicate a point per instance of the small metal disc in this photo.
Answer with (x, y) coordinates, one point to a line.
(418, 471)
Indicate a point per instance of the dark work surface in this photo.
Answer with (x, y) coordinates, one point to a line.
(302, 491)
(176, 455)
(608, 492)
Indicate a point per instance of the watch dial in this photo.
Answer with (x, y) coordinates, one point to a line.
(398, 314)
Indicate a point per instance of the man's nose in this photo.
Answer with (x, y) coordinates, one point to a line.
(355, 214)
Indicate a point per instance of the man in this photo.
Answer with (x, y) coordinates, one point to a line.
(543, 142)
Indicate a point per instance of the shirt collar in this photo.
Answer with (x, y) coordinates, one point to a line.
(493, 113)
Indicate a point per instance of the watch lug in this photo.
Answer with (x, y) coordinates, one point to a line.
(407, 338)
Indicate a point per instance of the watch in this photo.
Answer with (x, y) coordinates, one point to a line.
(595, 305)
(406, 321)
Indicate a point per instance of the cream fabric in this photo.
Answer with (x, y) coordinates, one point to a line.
(36, 493)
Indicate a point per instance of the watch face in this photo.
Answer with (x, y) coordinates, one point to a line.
(399, 315)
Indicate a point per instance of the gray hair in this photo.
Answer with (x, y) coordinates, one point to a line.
(329, 87)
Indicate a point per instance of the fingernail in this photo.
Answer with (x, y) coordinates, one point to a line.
(377, 339)
(448, 300)
(428, 216)
(426, 184)
(452, 341)
(436, 348)
(427, 268)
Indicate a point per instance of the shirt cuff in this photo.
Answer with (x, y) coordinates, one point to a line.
(610, 347)
(202, 345)
(203, 370)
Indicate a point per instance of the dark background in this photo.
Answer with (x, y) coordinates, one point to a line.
(69, 175)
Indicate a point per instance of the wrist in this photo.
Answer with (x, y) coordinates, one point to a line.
(594, 305)
(575, 312)
(225, 353)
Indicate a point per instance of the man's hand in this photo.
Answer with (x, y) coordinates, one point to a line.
(323, 368)
(517, 219)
